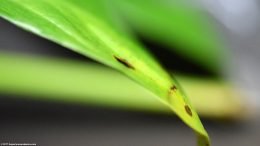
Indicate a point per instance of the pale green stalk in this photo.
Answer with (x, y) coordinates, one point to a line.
(77, 81)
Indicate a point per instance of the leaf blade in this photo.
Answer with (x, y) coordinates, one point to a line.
(98, 41)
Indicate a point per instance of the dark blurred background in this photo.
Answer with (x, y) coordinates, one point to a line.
(49, 123)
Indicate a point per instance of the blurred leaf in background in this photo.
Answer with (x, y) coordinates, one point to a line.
(178, 25)
(48, 77)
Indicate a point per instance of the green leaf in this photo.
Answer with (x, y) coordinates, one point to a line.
(103, 10)
(82, 32)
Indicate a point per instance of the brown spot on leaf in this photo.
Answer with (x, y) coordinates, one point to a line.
(188, 110)
(124, 62)
(173, 88)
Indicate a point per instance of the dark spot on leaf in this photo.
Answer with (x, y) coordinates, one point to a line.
(173, 88)
(124, 62)
(188, 110)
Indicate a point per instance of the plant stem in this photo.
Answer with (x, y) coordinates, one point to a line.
(81, 82)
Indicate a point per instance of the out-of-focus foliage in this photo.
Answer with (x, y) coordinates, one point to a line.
(48, 78)
(177, 24)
